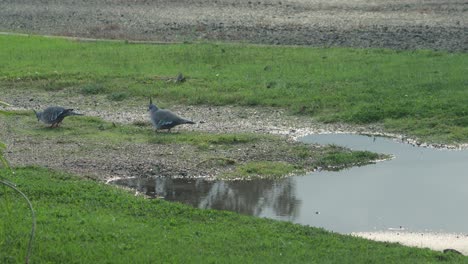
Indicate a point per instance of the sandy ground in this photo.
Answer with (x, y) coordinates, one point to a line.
(435, 241)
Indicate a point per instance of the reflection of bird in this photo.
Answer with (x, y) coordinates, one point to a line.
(54, 115)
(165, 119)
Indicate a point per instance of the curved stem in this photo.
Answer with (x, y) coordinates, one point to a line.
(4, 104)
(33, 215)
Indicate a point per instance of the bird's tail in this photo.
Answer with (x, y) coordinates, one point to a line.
(69, 112)
(188, 122)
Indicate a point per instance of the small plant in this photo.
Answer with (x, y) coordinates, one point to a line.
(118, 96)
(338, 155)
(302, 152)
(3, 161)
(92, 88)
(140, 123)
(4, 104)
(55, 85)
(217, 162)
(261, 169)
(230, 139)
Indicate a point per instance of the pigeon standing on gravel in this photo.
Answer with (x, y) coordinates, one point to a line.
(165, 119)
(54, 115)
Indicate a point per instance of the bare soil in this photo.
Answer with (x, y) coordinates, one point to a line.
(395, 24)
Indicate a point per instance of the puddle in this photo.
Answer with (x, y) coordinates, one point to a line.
(421, 189)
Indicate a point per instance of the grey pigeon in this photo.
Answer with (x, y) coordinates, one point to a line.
(54, 115)
(180, 78)
(165, 119)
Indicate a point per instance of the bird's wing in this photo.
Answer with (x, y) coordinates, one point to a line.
(166, 117)
(53, 113)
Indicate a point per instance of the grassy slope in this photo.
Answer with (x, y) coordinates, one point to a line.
(80, 221)
(422, 93)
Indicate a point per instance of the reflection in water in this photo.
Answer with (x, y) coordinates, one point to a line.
(422, 189)
(255, 197)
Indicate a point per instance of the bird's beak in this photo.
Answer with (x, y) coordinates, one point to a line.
(149, 106)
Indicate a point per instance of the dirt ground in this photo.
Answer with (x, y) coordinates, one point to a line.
(396, 24)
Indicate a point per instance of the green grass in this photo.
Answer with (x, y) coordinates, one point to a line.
(421, 93)
(259, 169)
(81, 221)
(344, 158)
(330, 157)
(91, 88)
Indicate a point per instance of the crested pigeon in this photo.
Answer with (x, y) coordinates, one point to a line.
(54, 115)
(165, 119)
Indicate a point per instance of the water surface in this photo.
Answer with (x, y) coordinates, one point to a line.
(421, 189)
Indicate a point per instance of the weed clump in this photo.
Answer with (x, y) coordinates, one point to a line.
(118, 96)
(92, 89)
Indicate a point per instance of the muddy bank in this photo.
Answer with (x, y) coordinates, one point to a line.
(435, 241)
(411, 24)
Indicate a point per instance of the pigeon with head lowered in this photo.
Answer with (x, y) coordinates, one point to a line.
(165, 119)
(54, 115)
